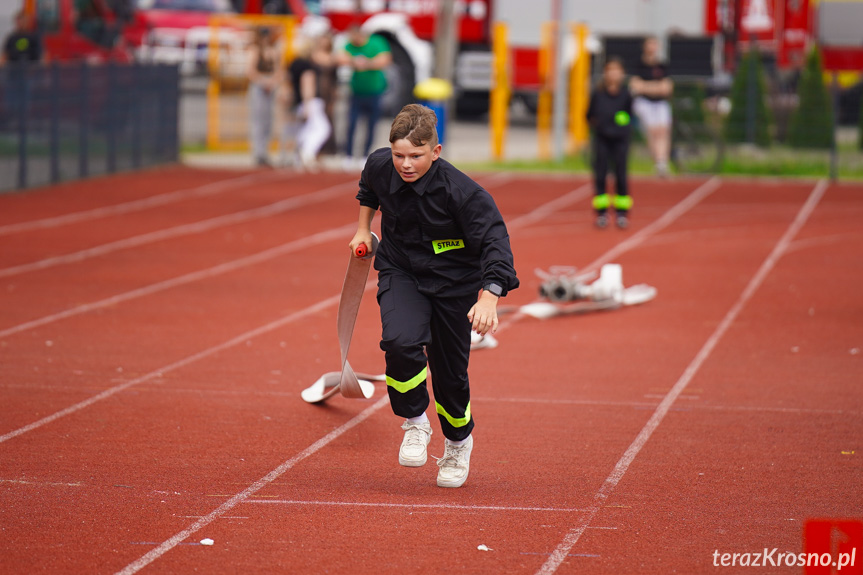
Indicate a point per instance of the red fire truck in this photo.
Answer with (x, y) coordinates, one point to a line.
(91, 30)
(121, 30)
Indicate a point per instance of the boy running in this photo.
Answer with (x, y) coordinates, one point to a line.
(443, 241)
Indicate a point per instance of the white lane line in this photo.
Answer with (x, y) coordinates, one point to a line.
(183, 230)
(40, 483)
(260, 257)
(296, 245)
(203, 190)
(183, 362)
(240, 339)
(638, 238)
(557, 557)
(653, 404)
(521, 400)
(177, 539)
(657, 225)
(384, 505)
(551, 207)
(169, 544)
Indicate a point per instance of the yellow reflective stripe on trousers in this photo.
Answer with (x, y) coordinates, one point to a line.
(406, 386)
(622, 202)
(454, 421)
(601, 202)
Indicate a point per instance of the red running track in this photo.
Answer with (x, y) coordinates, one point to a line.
(156, 330)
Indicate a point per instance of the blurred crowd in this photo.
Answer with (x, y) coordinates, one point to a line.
(297, 99)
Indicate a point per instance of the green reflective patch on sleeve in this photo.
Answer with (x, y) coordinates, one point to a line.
(441, 246)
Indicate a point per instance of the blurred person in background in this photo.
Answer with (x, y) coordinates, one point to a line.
(324, 58)
(654, 89)
(307, 123)
(368, 56)
(264, 80)
(22, 44)
(609, 115)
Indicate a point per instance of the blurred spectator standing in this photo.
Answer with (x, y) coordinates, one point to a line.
(307, 123)
(23, 43)
(368, 55)
(263, 74)
(654, 89)
(324, 58)
(21, 47)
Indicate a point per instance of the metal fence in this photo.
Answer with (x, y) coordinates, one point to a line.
(67, 121)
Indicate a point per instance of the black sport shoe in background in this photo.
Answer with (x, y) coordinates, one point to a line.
(622, 221)
(601, 221)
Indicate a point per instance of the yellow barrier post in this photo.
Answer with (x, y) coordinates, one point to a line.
(500, 92)
(227, 77)
(213, 84)
(546, 80)
(579, 91)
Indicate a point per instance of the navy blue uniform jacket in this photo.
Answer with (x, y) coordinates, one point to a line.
(610, 114)
(444, 230)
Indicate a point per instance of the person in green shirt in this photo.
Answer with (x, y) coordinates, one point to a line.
(368, 55)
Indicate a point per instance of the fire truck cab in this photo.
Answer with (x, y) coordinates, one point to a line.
(92, 30)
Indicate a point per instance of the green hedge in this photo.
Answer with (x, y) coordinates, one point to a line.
(812, 122)
(860, 125)
(735, 126)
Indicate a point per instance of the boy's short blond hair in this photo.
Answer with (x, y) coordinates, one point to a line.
(417, 124)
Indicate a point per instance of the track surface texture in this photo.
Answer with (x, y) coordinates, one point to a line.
(156, 330)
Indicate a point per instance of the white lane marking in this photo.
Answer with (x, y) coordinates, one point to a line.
(559, 554)
(172, 542)
(203, 190)
(522, 400)
(442, 506)
(551, 207)
(40, 483)
(335, 233)
(181, 363)
(182, 230)
(260, 257)
(656, 225)
(240, 339)
(653, 404)
(637, 238)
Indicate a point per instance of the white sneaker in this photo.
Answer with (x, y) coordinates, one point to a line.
(413, 452)
(455, 464)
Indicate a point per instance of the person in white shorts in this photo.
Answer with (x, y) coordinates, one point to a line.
(308, 124)
(653, 89)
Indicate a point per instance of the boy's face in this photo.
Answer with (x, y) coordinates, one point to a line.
(613, 74)
(412, 162)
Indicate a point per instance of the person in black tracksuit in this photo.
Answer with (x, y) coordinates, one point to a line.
(609, 114)
(443, 242)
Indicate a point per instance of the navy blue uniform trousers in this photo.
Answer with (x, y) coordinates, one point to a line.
(610, 151)
(419, 332)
